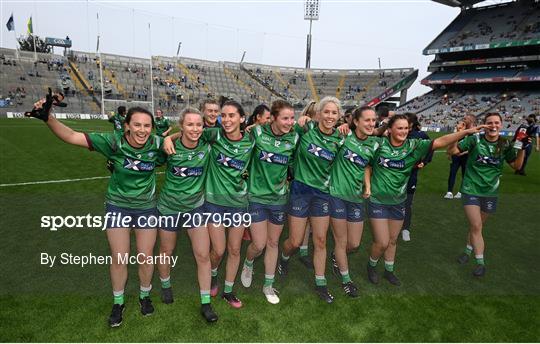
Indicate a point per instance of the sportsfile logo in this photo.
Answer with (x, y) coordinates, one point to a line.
(388, 163)
(355, 158)
(179, 171)
(274, 158)
(488, 160)
(230, 162)
(137, 165)
(320, 152)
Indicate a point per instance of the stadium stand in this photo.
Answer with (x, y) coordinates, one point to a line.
(176, 82)
(485, 60)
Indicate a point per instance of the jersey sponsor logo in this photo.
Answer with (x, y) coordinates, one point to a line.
(230, 162)
(179, 171)
(488, 160)
(273, 158)
(355, 158)
(320, 152)
(137, 165)
(388, 163)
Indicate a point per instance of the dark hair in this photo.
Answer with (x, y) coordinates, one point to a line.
(533, 117)
(357, 113)
(138, 109)
(278, 105)
(413, 119)
(259, 110)
(121, 110)
(394, 118)
(491, 114)
(383, 111)
(239, 108)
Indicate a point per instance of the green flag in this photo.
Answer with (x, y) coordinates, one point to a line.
(30, 29)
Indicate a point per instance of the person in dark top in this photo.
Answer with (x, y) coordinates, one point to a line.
(533, 131)
(415, 132)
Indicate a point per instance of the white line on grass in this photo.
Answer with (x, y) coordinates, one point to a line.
(58, 181)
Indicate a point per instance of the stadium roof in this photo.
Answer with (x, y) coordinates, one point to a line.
(458, 3)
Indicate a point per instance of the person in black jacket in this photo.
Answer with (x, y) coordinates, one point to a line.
(415, 132)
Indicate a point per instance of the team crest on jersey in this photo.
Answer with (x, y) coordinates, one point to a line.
(200, 155)
(274, 158)
(179, 171)
(320, 152)
(355, 158)
(488, 160)
(388, 163)
(230, 162)
(137, 165)
(151, 154)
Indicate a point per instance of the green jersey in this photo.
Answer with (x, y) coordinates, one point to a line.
(183, 190)
(271, 159)
(229, 160)
(347, 173)
(484, 164)
(392, 167)
(133, 182)
(314, 155)
(162, 125)
(118, 123)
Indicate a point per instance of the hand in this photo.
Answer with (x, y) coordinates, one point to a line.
(476, 129)
(249, 127)
(303, 120)
(367, 193)
(344, 129)
(420, 165)
(168, 146)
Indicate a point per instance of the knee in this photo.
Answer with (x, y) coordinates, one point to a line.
(168, 251)
(295, 242)
(272, 244)
(202, 258)
(476, 227)
(392, 242)
(383, 244)
(259, 246)
(218, 251)
(233, 251)
(352, 247)
(319, 242)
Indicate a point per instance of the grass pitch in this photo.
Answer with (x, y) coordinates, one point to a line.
(439, 300)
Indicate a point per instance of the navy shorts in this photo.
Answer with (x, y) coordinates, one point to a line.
(273, 213)
(306, 201)
(186, 220)
(118, 217)
(226, 215)
(351, 211)
(383, 211)
(487, 204)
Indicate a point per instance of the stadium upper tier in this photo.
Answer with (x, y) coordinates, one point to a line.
(177, 82)
(514, 23)
(443, 109)
(522, 74)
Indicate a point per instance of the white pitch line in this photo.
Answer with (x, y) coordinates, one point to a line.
(58, 181)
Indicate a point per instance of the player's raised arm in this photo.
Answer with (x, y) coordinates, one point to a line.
(42, 110)
(453, 138)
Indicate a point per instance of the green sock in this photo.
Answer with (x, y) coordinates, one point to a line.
(248, 263)
(205, 297)
(373, 262)
(468, 250)
(479, 259)
(118, 297)
(228, 287)
(165, 282)
(303, 251)
(144, 292)
(345, 278)
(320, 281)
(389, 266)
(268, 280)
(214, 272)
